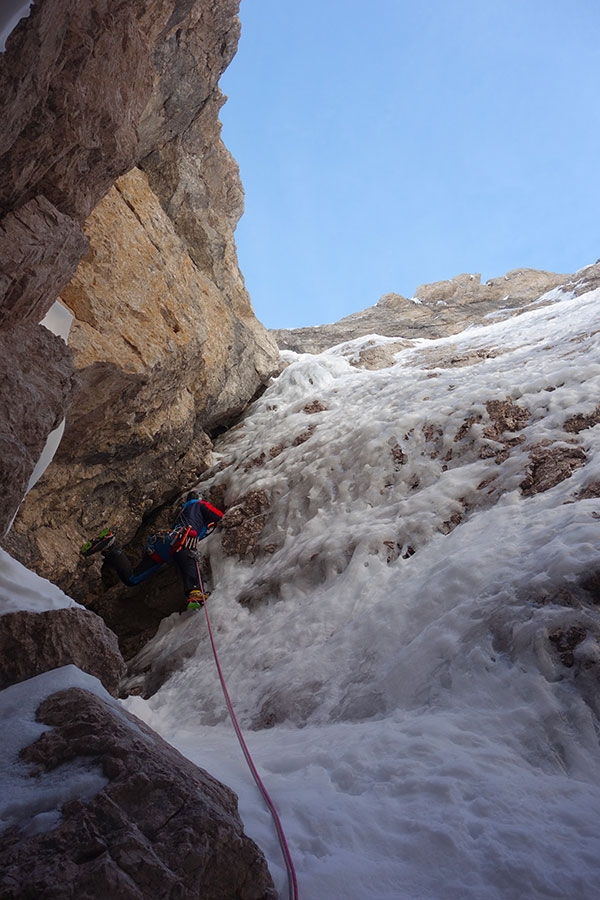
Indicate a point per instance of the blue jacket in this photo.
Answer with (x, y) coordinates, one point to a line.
(198, 515)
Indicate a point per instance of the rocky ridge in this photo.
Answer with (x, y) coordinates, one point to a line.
(437, 310)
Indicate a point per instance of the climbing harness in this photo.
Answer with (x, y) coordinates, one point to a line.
(291, 872)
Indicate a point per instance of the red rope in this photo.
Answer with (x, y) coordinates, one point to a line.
(292, 880)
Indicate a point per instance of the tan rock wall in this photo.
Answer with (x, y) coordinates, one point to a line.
(165, 341)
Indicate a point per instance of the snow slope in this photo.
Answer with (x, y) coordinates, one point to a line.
(423, 738)
(21, 589)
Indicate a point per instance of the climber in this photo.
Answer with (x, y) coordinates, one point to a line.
(196, 518)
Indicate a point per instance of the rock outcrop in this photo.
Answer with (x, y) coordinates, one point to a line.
(160, 827)
(164, 340)
(74, 81)
(36, 642)
(117, 194)
(436, 310)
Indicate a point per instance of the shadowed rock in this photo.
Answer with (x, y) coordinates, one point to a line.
(35, 642)
(160, 827)
(32, 404)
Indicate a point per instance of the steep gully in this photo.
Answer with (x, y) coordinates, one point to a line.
(122, 202)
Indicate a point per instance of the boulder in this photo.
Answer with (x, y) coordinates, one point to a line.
(159, 827)
(35, 642)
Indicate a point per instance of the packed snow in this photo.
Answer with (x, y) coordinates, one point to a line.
(21, 589)
(387, 647)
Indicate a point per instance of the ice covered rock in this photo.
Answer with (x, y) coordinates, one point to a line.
(243, 524)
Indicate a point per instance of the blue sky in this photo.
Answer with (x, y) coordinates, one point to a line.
(389, 144)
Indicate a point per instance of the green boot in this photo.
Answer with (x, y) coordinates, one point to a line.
(196, 599)
(97, 544)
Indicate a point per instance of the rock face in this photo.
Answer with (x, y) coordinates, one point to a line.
(39, 248)
(160, 827)
(32, 404)
(165, 342)
(117, 194)
(436, 310)
(70, 109)
(163, 359)
(32, 643)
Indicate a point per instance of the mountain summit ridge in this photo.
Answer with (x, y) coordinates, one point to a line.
(437, 309)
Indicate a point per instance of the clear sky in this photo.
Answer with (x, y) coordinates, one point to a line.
(388, 144)
(391, 143)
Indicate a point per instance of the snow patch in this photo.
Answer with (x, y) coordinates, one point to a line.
(21, 589)
(32, 803)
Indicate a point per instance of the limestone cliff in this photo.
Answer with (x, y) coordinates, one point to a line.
(436, 310)
(164, 341)
(117, 194)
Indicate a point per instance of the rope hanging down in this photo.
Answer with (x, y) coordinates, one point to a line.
(292, 880)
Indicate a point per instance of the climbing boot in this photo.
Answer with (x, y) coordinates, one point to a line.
(98, 544)
(196, 599)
